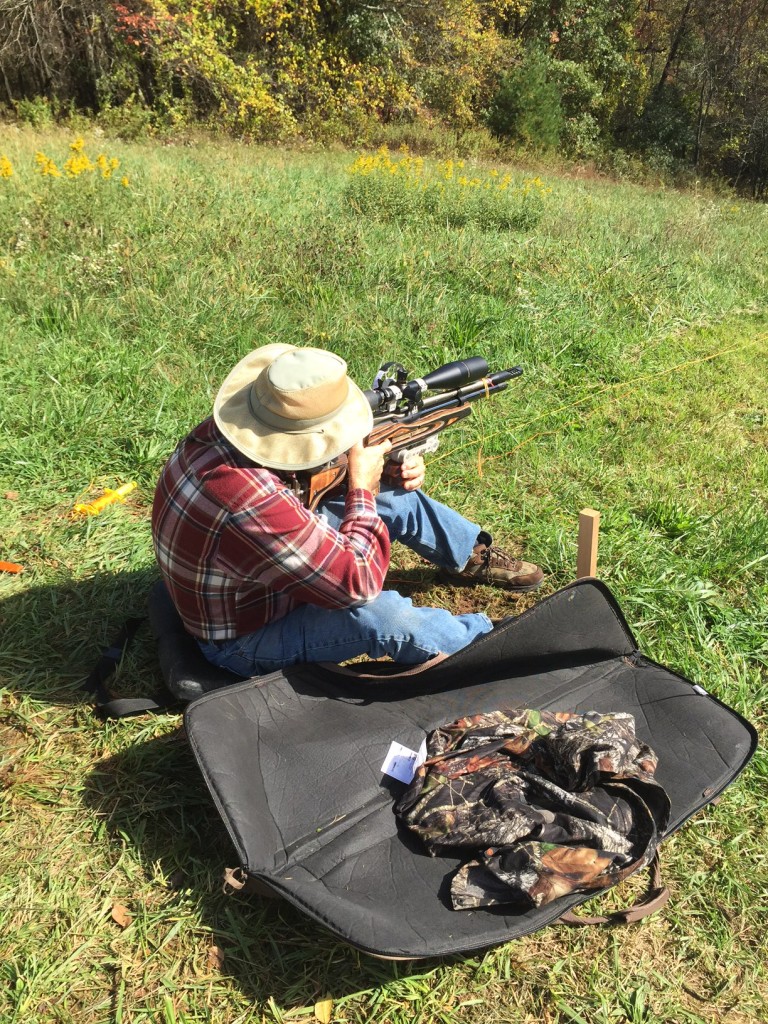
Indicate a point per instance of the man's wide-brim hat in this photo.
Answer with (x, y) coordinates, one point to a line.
(291, 408)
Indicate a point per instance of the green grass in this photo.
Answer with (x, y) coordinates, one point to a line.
(640, 320)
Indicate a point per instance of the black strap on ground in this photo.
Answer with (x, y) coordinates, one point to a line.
(107, 706)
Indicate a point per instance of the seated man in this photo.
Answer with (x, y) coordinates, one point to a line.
(261, 581)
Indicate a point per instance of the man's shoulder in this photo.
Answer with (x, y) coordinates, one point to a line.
(223, 472)
(206, 468)
(238, 487)
(205, 450)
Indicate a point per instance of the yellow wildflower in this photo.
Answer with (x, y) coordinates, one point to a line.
(46, 165)
(6, 167)
(124, 181)
(103, 165)
(77, 164)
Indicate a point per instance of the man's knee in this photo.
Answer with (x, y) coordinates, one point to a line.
(388, 608)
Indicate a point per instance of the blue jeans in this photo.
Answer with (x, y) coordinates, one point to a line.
(389, 625)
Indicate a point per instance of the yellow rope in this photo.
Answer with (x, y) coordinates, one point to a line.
(629, 387)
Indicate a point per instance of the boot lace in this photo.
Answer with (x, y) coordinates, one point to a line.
(497, 558)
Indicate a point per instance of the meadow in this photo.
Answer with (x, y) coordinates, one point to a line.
(132, 277)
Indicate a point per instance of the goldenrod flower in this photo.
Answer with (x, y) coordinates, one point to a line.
(77, 164)
(406, 187)
(124, 181)
(77, 145)
(46, 165)
(6, 167)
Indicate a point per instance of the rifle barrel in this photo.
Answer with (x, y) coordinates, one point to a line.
(493, 383)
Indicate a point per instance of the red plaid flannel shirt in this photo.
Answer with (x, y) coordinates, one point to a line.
(237, 549)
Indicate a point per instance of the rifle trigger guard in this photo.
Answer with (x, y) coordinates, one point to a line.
(427, 446)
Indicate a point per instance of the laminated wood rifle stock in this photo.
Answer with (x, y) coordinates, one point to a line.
(405, 437)
(405, 417)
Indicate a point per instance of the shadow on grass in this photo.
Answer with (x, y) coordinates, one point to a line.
(153, 799)
(51, 636)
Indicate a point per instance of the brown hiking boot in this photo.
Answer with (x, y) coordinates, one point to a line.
(493, 566)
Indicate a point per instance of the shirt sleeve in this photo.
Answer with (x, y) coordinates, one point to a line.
(271, 539)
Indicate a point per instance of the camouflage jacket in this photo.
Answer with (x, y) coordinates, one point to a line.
(539, 804)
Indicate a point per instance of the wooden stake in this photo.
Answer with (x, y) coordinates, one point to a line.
(589, 528)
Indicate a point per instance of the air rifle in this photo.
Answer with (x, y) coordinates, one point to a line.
(411, 419)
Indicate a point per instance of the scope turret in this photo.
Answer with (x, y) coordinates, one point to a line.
(449, 377)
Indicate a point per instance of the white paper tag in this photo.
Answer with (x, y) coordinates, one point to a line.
(401, 762)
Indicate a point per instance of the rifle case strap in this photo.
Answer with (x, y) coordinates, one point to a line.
(107, 706)
(655, 897)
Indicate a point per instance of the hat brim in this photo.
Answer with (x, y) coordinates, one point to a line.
(237, 418)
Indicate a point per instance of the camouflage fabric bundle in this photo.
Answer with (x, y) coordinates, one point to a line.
(545, 804)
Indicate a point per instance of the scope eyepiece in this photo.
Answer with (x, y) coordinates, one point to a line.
(380, 396)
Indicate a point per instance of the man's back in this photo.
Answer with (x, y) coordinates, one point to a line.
(237, 549)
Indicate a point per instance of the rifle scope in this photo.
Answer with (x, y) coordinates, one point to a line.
(450, 376)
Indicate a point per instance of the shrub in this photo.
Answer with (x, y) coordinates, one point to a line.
(36, 112)
(527, 108)
(667, 123)
(131, 119)
(581, 137)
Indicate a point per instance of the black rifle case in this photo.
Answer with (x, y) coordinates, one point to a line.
(293, 763)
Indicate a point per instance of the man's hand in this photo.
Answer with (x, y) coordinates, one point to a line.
(409, 475)
(365, 465)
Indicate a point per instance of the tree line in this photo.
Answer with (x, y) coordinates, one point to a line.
(681, 84)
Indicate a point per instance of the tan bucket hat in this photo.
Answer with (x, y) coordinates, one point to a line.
(291, 408)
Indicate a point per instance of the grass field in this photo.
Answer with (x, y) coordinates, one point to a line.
(641, 322)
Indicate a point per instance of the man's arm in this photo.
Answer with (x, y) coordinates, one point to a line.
(271, 539)
(408, 474)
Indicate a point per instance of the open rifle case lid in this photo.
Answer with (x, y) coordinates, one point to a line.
(293, 763)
